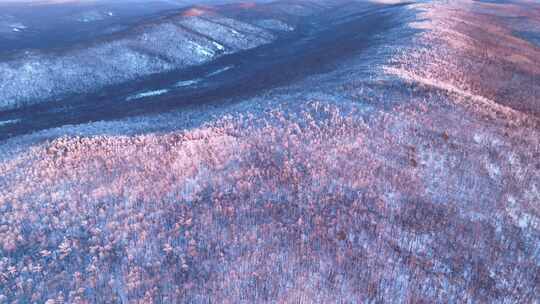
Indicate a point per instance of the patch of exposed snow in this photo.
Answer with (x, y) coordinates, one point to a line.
(494, 171)
(187, 83)
(19, 26)
(93, 16)
(477, 138)
(202, 50)
(521, 218)
(218, 46)
(222, 70)
(147, 94)
(9, 122)
(276, 25)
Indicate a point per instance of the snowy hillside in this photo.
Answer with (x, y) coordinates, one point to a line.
(384, 153)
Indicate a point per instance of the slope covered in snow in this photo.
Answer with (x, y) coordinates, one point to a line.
(174, 43)
(407, 172)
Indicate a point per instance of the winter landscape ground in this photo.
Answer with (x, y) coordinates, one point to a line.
(305, 151)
